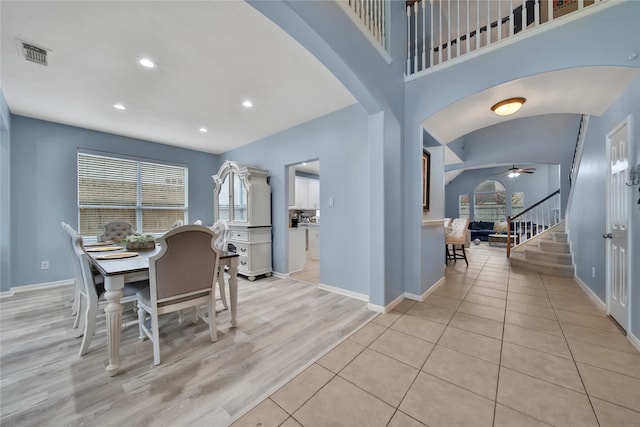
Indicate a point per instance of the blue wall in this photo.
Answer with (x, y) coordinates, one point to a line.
(5, 194)
(340, 141)
(535, 186)
(44, 189)
(587, 212)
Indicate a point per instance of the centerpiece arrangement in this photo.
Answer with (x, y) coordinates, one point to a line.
(139, 241)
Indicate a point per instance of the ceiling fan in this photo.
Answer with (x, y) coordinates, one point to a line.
(513, 171)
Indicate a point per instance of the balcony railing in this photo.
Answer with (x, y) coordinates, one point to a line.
(369, 15)
(441, 30)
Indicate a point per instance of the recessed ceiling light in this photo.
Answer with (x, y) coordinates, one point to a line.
(508, 106)
(203, 130)
(247, 103)
(146, 62)
(119, 107)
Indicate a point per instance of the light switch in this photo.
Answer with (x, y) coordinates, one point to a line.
(330, 202)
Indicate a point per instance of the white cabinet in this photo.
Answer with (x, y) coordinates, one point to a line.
(297, 251)
(314, 241)
(242, 197)
(307, 193)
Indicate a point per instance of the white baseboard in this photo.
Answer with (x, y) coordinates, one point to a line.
(589, 292)
(280, 275)
(634, 340)
(426, 293)
(356, 295)
(35, 287)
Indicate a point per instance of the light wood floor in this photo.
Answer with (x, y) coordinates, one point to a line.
(283, 325)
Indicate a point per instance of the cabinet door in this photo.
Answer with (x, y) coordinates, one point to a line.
(313, 194)
(239, 199)
(301, 193)
(224, 198)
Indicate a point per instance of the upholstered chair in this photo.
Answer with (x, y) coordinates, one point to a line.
(456, 238)
(77, 274)
(182, 275)
(177, 223)
(116, 230)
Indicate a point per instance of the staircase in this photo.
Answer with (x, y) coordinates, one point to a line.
(548, 253)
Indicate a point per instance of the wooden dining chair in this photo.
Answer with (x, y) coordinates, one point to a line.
(92, 290)
(182, 275)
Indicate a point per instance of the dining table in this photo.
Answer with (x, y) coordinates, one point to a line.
(118, 271)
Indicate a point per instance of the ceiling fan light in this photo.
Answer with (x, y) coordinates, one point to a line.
(508, 106)
(513, 174)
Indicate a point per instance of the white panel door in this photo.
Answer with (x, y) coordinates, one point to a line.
(618, 196)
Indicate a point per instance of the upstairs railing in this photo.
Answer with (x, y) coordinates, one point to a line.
(370, 15)
(440, 30)
(533, 220)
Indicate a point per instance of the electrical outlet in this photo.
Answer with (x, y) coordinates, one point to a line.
(593, 272)
(44, 265)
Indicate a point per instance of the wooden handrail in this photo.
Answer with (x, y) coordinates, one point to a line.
(510, 219)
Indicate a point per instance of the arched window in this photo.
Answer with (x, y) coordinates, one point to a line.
(489, 202)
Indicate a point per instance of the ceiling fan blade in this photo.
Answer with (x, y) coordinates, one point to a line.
(526, 171)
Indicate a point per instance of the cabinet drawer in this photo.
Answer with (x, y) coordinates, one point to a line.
(243, 264)
(242, 235)
(242, 249)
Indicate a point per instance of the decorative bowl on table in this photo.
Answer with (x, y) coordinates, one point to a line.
(138, 242)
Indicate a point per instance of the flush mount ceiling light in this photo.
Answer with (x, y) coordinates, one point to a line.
(203, 130)
(508, 106)
(146, 62)
(119, 107)
(247, 103)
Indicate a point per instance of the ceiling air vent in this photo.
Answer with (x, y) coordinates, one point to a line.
(34, 53)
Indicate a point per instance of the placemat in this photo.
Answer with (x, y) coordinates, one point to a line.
(118, 255)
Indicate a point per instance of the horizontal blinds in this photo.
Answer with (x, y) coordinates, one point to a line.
(106, 181)
(162, 185)
(150, 196)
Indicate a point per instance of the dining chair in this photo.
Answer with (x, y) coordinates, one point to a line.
(457, 237)
(182, 275)
(197, 222)
(77, 275)
(116, 230)
(92, 289)
(176, 224)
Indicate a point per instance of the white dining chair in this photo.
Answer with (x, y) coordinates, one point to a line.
(91, 291)
(182, 275)
(77, 275)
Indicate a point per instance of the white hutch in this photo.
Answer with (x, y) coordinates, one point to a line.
(242, 197)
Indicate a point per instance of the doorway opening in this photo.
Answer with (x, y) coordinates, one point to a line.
(304, 221)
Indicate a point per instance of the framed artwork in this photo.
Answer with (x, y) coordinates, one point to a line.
(426, 179)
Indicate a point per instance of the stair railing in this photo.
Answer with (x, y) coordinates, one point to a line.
(533, 220)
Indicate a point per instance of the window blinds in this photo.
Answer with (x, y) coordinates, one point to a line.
(151, 196)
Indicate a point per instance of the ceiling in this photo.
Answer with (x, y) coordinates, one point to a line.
(585, 90)
(210, 56)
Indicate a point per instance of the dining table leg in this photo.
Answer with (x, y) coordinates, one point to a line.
(114, 286)
(233, 289)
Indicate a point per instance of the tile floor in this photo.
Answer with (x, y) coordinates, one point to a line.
(492, 346)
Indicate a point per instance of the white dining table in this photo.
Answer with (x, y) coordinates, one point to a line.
(117, 272)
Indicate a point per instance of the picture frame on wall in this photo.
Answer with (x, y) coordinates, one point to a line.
(426, 179)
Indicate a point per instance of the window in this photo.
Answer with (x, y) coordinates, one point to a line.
(149, 195)
(489, 201)
(517, 203)
(463, 206)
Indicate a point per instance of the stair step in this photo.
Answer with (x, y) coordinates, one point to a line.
(518, 260)
(559, 236)
(556, 247)
(535, 254)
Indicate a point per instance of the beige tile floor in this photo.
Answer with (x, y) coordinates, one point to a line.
(492, 346)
